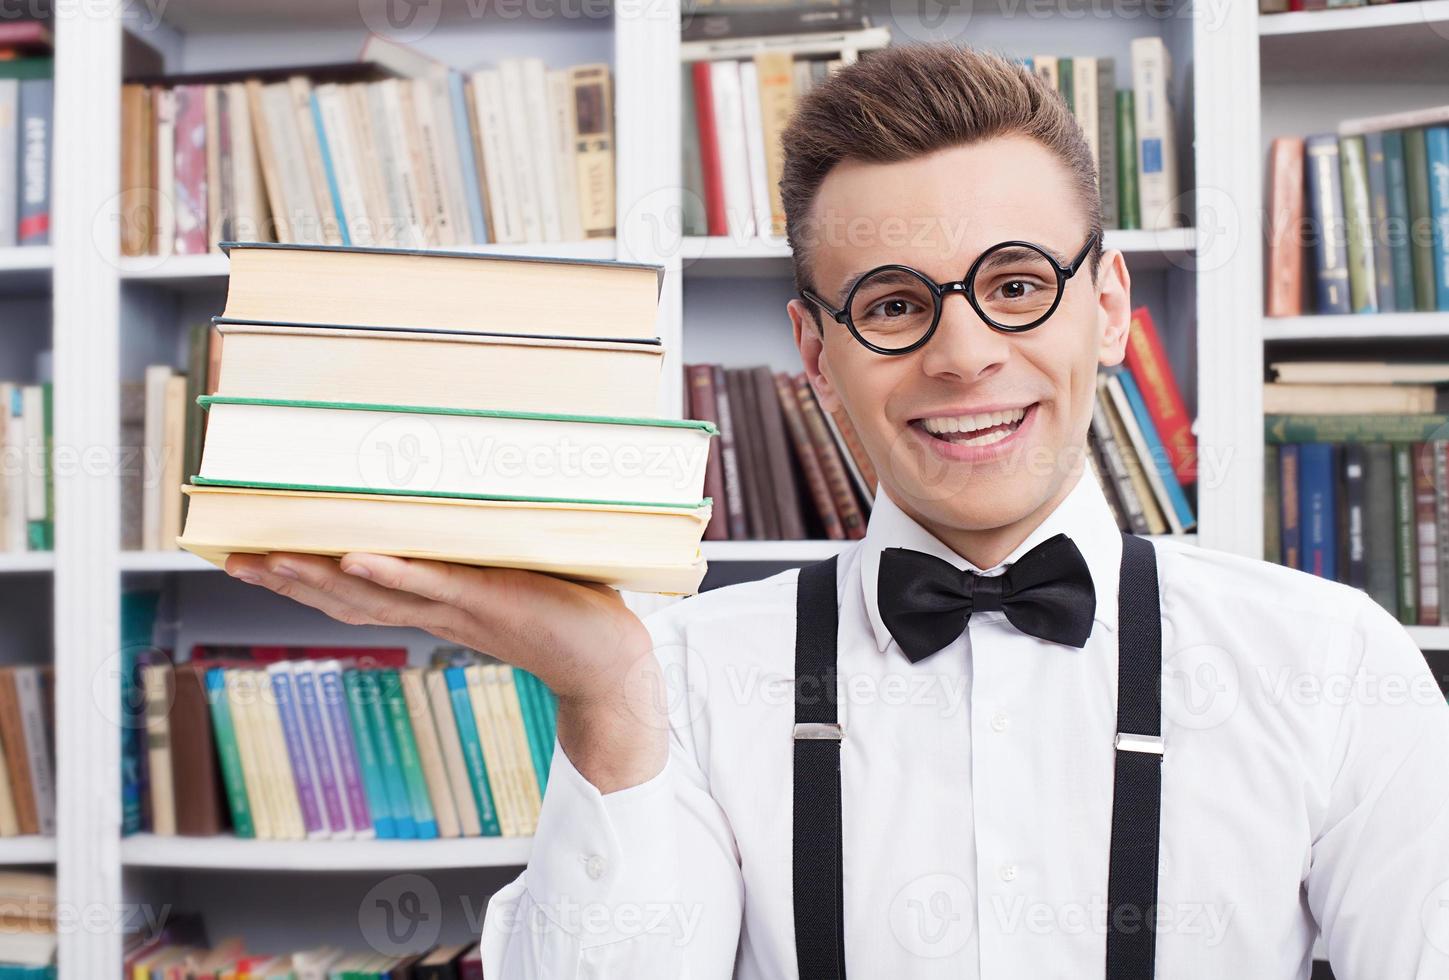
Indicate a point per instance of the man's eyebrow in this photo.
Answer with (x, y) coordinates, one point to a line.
(1005, 254)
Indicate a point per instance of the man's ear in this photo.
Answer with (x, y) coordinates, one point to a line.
(812, 353)
(1114, 308)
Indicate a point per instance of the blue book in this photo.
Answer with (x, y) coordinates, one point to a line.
(1160, 460)
(1436, 146)
(388, 760)
(401, 728)
(331, 173)
(1323, 187)
(1317, 474)
(1291, 521)
(1378, 198)
(472, 749)
(463, 133)
(280, 674)
(378, 802)
(309, 712)
(138, 619)
(534, 723)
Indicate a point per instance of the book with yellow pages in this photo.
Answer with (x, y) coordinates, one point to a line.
(640, 547)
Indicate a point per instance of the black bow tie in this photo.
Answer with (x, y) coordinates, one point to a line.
(926, 601)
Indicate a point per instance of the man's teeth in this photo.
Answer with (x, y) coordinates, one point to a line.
(957, 425)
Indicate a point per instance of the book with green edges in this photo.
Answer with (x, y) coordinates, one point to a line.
(1354, 428)
(387, 754)
(1421, 221)
(1362, 278)
(378, 803)
(1128, 206)
(472, 750)
(1406, 542)
(421, 805)
(228, 754)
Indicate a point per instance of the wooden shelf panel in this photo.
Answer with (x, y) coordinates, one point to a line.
(242, 854)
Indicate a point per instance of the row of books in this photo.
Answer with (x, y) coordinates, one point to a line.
(782, 467)
(394, 150)
(27, 122)
(1130, 131)
(180, 950)
(27, 751)
(27, 484)
(504, 414)
(361, 747)
(1285, 6)
(1130, 461)
(1358, 218)
(1357, 478)
(28, 938)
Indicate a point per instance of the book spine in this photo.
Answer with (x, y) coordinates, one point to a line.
(851, 518)
(1292, 525)
(1117, 471)
(329, 145)
(302, 779)
(190, 187)
(472, 749)
(1421, 219)
(703, 405)
(277, 764)
(1406, 552)
(1272, 506)
(228, 754)
(1426, 533)
(1379, 534)
(1129, 213)
(430, 753)
(777, 456)
(1358, 229)
(1285, 227)
(504, 695)
(809, 459)
(37, 753)
(1378, 201)
(310, 712)
(1436, 145)
(1352, 428)
(415, 786)
(1439, 450)
(378, 804)
(1136, 470)
(594, 147)
(467, 159)
(158, 746)
(709, 159)
(534, 723)
(729, 458)
(757, 169)
(839, 424)
(1397, 225)
(1157, 157)
(451, 747)
(1157, 457)
(388, 762)
(1147, 360)
(777, 101)
(1355, 516)
(733, 150)
(1323, 183)
(1316, 479)
(241, 701)
(500, 776)
(36, 115)
(1107, 157)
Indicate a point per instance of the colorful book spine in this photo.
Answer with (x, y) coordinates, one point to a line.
(534, 723)
(1406, 545)
(1358, 231)
(472, 750)
(463, 135)
(1436, 145)
(1378, 210)
(1316, 485)
(1147, 360)
(280, 676)
(1323, 182)
(226, 750)
(315, 727)
(1159, 457)
(378, 802)
(1355, 516)
(1397, 227)
(420, 805)
(388, 762)
(1292, 527)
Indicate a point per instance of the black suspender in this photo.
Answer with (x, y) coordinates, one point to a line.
(819, 918)
(1137, 786)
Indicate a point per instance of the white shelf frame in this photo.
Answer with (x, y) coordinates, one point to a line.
(1365, 18)
(88, 275)
(1361, 326)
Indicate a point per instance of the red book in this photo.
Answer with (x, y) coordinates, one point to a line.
(714, 200)
(1147, 361)
(190, 204)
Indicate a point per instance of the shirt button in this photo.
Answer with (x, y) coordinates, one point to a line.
(1007, 872)
(1000, 722)
(595, 866)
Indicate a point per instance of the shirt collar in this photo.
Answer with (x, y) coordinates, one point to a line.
(1083, 515)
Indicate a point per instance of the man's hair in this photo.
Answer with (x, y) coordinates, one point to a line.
(909, 100)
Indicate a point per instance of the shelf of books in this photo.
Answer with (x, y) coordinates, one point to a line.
(1356, 362)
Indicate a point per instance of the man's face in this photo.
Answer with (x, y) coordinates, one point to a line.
(978, 429)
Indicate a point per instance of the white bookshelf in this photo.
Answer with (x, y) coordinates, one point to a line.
(1376, 326)
(27, 849)
(721, 301)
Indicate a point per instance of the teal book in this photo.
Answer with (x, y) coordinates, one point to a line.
(1378, 200)
(138, 619)
(387, 755)
(1436, 146)
(1159, 460)
(373, 784)
(331, 172)
(228, 754)
(534, 723)
(472, 749)
(1401, 258)
(400, 720)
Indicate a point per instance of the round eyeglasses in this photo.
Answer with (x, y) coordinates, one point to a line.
(1014, 286)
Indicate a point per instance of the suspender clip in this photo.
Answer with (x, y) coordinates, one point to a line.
(819, 729)
(1151, 744)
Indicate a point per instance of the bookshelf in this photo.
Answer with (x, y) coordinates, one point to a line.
(722, 301)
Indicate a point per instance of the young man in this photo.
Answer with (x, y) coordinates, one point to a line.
(995, 738)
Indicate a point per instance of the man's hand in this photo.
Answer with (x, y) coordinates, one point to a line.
(578, 638)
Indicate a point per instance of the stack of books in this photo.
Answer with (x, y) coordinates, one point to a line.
(1359, 219)
(26, 121)
(27, 751)
(292, 744)
(28, 941)
(1356, 479)
(453, 406)
(395, 149)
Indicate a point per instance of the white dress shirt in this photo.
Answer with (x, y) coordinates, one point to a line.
(1305, 787)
